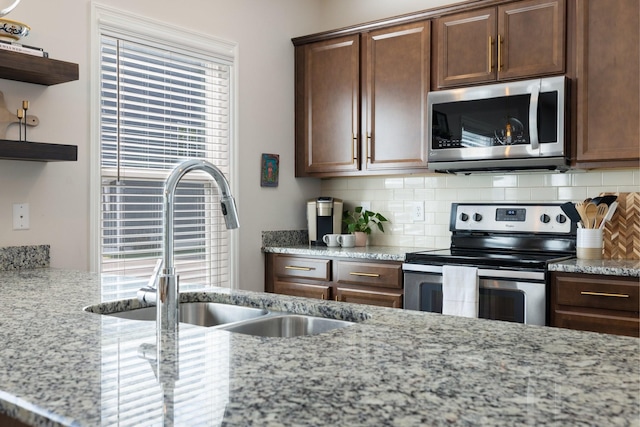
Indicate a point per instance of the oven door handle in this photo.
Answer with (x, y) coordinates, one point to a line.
(482, 272)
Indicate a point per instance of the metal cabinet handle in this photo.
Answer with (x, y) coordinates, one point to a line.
(337, 298)
(500, 40)
(293, 267)
(355, 146)
(355, 273)
(490, 54)
(604, 294)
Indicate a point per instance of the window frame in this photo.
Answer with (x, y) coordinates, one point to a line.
(106, 20)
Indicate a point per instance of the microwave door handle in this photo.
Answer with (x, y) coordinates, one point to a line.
(533, 116)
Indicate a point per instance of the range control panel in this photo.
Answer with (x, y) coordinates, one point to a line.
(515, 218)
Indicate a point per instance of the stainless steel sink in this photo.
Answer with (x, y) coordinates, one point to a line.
(200, 313)
(287, 325)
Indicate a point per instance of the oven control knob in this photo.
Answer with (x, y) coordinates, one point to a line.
(464, 217)
(477, 217)
(561, 218)
(545, 218)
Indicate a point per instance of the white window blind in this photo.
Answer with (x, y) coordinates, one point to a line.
(161, 105)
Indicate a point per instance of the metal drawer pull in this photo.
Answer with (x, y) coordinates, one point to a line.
(293, 267)
(604, 294)
(355, 273)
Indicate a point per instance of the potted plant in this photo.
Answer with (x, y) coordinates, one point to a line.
(359, 222)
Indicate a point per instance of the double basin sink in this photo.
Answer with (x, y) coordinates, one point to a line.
(243, 320)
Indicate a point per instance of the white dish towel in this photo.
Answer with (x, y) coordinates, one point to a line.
(460, 293)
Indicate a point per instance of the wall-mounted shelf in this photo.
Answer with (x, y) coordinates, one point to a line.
(34, 69)
(37, 151)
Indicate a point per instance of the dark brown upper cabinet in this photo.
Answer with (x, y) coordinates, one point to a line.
(327, 106)
(360, 102)
(510, 41)
(396, 65)
(605, 73)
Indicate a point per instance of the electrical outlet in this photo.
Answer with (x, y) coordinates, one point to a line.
(21, 216)
(418, 211)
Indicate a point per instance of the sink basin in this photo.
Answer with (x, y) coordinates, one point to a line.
(199, 313)
(287, 325)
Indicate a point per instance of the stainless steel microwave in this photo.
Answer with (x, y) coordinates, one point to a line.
(510, 126)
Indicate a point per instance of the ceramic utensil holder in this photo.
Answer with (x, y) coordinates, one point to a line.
(589, 243)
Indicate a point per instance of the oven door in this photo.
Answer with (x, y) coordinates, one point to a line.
(518, 297)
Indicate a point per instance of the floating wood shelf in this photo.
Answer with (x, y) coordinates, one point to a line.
(34, 69)
(37, 151)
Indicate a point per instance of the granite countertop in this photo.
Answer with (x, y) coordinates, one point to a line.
(60, 365)
(608, 267)
(379, 253)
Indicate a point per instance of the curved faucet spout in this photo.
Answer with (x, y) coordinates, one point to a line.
(227, 203)
(167, 293)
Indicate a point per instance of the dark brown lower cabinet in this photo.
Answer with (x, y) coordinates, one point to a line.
(588, 302)
(354, 281)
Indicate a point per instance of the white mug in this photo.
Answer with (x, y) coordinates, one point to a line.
(331, 240)
(347, 240)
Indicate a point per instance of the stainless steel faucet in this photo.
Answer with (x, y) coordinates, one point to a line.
(167, 294)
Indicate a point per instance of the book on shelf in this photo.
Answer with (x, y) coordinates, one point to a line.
(21, 48)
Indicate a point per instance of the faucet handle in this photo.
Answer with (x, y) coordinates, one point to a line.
(149, 292)
(154, 276)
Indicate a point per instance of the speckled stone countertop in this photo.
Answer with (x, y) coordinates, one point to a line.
(608, 267)
(379, 253)
(60, 365)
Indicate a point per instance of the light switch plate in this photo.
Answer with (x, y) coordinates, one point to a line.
(21, 216)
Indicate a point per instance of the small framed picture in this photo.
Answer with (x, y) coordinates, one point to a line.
(270, 169)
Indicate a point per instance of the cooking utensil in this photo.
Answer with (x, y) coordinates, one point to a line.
(601, 212)
(570, 211)
(590, 211)
(581, 208)
(609, 215)
(607, 199)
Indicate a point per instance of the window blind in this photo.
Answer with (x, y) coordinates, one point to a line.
(161, 105)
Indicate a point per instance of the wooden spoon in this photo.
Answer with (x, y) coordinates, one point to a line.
(601, 212)
(581, 208)
(590, 212)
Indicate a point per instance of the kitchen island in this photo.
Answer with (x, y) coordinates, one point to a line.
(60, 365)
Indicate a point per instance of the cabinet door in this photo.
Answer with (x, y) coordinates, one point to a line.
(302, 290)
(465, 44)
(384, 298)
(608, 90)
(396, 66)
(327, 106)
(531, 38)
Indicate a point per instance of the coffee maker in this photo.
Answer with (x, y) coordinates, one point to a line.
(324, 216)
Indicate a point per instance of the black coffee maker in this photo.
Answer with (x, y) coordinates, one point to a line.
(324, 216)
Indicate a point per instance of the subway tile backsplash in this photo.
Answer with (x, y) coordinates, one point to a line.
(394, 197)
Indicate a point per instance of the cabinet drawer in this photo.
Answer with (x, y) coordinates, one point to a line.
(593, 292)
(597, 322)
(302, 290)
(389, 298)
(302, 268)
(369, 274)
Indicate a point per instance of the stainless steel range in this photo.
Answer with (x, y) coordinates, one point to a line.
(510, 245)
